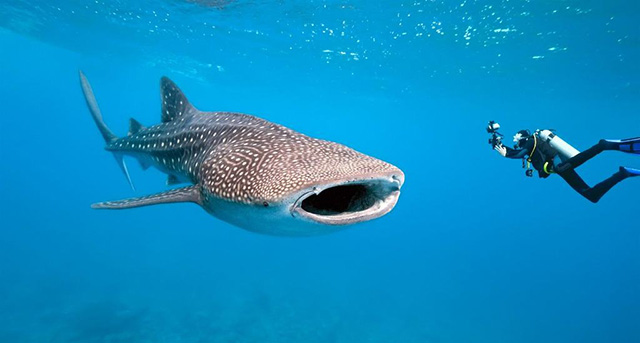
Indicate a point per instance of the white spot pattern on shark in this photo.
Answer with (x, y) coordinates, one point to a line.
(250, 172)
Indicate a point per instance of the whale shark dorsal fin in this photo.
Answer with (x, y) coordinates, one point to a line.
(186, 194)
(174, 102)
(135, 126)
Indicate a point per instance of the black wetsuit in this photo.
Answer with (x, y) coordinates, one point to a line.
(546, 161)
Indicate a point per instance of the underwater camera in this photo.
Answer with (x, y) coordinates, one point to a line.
(493, 127)
(496, 137)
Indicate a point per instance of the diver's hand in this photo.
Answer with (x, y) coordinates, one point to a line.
(501, 149)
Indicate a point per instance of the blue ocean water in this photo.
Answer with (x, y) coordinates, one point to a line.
(473, 252)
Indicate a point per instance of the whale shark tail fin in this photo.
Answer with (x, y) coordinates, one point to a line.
(107, 134)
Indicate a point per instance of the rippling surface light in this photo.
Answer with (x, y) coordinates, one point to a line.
(371, 39)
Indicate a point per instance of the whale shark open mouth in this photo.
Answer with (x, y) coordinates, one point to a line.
(349, 202)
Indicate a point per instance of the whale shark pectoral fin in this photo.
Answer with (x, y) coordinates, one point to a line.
(186, 194)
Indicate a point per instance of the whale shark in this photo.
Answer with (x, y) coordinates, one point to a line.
(249, 172)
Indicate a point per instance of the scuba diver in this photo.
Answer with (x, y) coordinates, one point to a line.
(550, 154)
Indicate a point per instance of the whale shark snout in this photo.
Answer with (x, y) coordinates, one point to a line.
(350, 201)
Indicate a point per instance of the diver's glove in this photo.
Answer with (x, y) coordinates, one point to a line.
(501, 149)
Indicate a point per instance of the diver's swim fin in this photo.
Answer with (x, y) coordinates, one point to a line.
(630, 172)
(630, 145)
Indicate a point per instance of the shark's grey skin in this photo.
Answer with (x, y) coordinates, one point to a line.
(250, 172)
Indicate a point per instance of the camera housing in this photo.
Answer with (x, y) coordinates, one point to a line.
(493, 127)
(496, 137)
